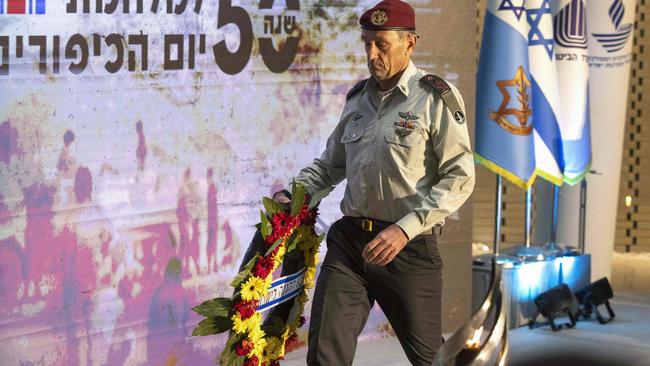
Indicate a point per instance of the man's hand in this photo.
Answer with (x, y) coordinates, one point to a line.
(281, 197)
(385, 246)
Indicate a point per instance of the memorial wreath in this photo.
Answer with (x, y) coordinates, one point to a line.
(285, 240)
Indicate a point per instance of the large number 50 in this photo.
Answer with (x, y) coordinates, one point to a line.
(279, 61)
(234, 62)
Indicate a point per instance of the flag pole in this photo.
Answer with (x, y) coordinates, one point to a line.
(556, 195)
(497, 216)
(583, 215)
(528, 216)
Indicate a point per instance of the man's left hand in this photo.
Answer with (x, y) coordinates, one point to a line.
(385, 246)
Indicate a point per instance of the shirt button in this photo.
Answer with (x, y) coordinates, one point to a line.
(354, 135)
(380, 115)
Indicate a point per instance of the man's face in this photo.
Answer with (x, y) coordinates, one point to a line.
(387, 53)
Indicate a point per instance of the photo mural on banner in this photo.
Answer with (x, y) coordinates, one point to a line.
(136, 139)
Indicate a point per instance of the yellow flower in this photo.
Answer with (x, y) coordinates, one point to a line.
(258, 348)
(310, 276)
(238, 325)
(279, 256)
(253, 322)
(254, 289)
(255, 334)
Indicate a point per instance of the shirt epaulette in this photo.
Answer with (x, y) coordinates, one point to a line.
(447, 95)
(356, 88)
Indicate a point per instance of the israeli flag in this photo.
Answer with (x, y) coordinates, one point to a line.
(546, 99)
(570, 25)
(504, 103)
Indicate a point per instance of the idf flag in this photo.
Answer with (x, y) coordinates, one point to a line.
(570, 31)
(504, 121)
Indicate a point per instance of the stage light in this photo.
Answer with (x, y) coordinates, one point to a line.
(556, 302)
(593, 295)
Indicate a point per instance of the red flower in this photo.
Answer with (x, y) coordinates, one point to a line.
(243, 348)
(307, 217)
(274, 363)
(263, 267)
(271, 238)
(283, 222)
(253, 361)
(246, 309)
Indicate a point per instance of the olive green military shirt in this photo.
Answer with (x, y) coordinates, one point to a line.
(406, 159)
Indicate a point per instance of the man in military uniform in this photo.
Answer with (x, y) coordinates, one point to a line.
(402, 143)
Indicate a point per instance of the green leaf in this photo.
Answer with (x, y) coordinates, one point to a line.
(265, 226)
(318, 196)
(228, 356)
(292, 242)
(241, 276)
(215, 325)
(297, 198)
(271, 206)
(216, 307)
(272, 248)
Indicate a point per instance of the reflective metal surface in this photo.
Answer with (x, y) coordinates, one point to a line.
(483, 339)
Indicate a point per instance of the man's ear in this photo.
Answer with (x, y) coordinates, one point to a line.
(411, 41)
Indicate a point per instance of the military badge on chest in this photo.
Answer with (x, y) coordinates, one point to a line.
(406, 124)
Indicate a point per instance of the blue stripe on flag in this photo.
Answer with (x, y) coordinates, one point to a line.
(503, 50)
(546, 124)
(2, 6)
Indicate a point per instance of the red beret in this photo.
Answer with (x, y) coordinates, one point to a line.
(389, 15)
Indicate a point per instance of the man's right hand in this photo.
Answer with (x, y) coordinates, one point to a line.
(281, 197)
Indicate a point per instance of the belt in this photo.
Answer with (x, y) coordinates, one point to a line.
(368, 224)
(375, 226)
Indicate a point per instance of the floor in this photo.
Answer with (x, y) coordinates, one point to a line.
(623, 342)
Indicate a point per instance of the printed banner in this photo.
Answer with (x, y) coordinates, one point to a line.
(136, 138)
(283, 289)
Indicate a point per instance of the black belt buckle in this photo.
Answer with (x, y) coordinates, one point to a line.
(366, 225)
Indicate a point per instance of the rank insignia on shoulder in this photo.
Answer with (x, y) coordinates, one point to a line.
(442, 87)
(459, 117)
(356, 88)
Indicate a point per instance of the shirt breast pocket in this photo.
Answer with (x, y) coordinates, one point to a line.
(404, 148)
(352, 133)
